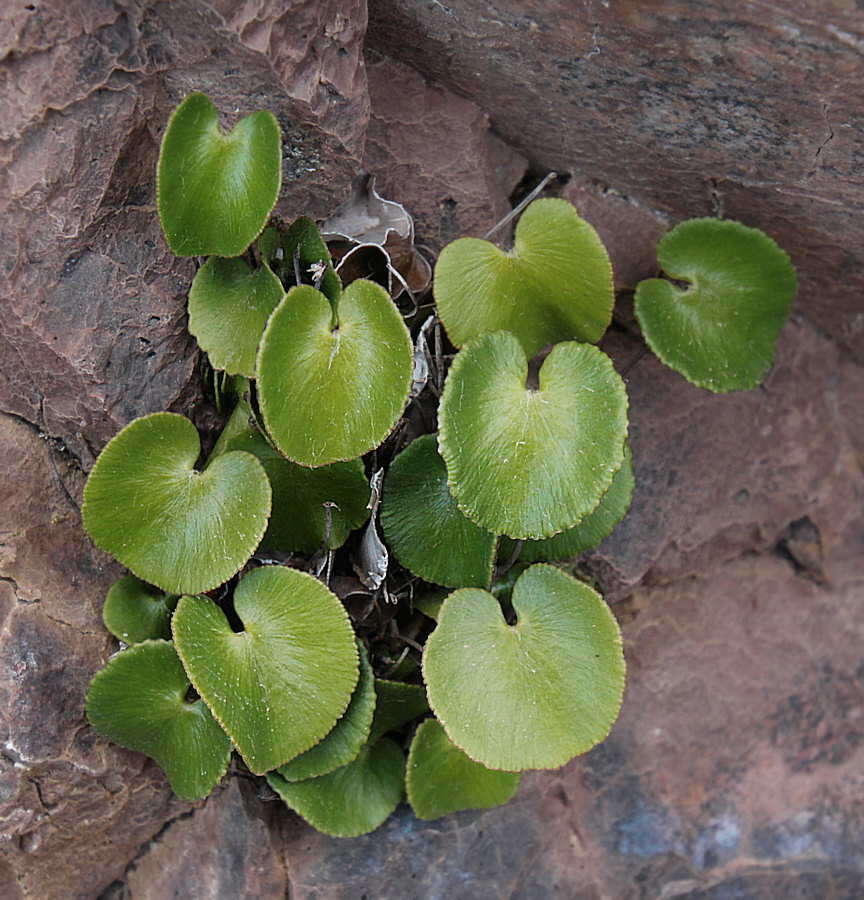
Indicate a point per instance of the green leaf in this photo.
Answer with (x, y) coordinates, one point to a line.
(441, 779)
(348, 380)
(596, 526)
(349, 734)
(531, 695)
(721, 331)
(139, 701)
(268, 244)
(183, 530)
(398, 704)
(304, 239)
(215, 190)
(354, 799)
(280, 685)
(554, 285)
(229, 305)
(530, 463)
(425, 528)
(135, 611)
(430, 603)
(299, 519)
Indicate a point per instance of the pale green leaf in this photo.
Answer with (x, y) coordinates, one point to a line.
(594, 528)
(530, 463)
(530, 695)
(348, 378)
(278, 686)
(229, 304)
(554, 285)
(349, 734)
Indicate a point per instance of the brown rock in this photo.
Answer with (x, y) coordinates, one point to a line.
(316, 49)
(461, 190)
(721, 475)
(224, 849)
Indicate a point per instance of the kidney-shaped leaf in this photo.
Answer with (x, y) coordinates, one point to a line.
(354, 799)
(216, 190)
(591, 530)
(554, 285)
(332, 389)
(348, 736)
(139, 701)
(135, 611)
(530, 463)
(183, 530)
(719, 332)
(229, 304)
(425, 528)
(279, 685)
(299, 518)
(531, 695)
(441, 779)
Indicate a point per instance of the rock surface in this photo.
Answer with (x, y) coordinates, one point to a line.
(735, 770)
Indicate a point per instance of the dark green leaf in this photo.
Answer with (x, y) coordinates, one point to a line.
(397, 705)
(425, 528)
(135, 611)
(441, 779)
(139, 701)
(303, 498)
(354, 799)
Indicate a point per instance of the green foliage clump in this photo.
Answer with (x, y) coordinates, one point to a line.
(265, 613)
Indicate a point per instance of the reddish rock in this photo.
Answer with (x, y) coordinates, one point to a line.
(718, 475)
(72, 806)
(224, 849)
(316, 49)
(460, 191)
